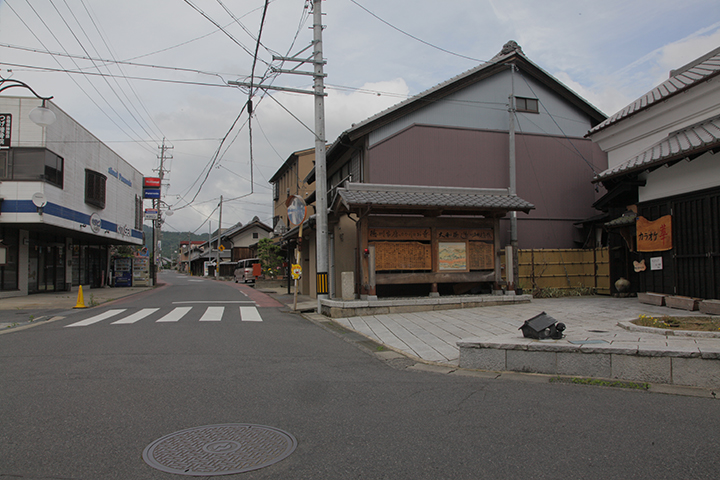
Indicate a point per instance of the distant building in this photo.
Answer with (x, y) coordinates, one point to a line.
(66, 198)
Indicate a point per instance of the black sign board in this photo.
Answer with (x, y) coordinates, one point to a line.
(5, 125)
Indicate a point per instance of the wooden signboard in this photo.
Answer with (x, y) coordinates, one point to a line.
(476, 234)
(416, 234)
(482, 256)
(402, 256)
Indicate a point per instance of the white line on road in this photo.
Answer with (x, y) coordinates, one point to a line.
(136, 316)
(213, 314)
(216, 302)
(250, 314)
(175, 315)
(96, 318)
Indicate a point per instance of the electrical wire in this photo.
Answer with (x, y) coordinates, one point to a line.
(414, 37)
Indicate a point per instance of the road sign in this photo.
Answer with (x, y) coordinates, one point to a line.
(296, 271)
(297, 210)
(221, 248)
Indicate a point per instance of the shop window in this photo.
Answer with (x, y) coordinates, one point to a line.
(95, 188)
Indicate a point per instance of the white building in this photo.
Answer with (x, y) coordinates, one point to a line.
(65, 198)
(664, 167)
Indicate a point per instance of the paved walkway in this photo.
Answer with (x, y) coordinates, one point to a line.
(432, 336)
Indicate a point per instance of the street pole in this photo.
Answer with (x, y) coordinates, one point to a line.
(217, 253)
(510, 260)
(321, 219)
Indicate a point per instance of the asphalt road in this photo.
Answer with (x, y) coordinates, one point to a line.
(83, 402)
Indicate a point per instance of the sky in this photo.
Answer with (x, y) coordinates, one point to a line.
(137, 72)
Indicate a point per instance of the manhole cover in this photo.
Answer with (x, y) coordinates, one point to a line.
(219, 449)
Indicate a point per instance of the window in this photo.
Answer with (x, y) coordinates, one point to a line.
(255, 234)
(526, 105)
(4, 166)
(95, 188)
(32, 164)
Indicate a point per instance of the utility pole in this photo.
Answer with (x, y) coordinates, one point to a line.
(512, 190)
(321, 218)
(157, 234)
(217, 253)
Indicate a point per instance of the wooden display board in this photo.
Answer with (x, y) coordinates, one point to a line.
(402, 256)
(482, 256)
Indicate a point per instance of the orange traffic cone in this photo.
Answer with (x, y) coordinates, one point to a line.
(80, 300)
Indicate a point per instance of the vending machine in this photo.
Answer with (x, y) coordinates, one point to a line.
(123, 272)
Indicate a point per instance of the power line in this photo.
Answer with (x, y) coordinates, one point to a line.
(414, 37)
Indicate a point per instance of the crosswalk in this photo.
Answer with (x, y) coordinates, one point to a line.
(124, 316)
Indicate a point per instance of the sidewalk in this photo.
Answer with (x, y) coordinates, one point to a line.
(595, 343)
(28, 309)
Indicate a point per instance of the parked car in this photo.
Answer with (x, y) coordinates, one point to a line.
(244, 270)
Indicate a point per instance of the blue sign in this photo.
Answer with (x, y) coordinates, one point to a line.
(151, 193)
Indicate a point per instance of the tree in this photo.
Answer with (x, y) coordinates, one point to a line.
(270, 259)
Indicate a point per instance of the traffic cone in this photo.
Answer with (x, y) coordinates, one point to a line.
(80, 300)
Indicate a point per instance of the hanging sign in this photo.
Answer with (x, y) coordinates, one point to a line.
(5, 124)
(151, 214)
(151, 182)
(654, 236)
(151, 193)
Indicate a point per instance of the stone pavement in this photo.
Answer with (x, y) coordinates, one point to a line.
(595, 343)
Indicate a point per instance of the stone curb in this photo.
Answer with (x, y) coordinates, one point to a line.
(628, 325)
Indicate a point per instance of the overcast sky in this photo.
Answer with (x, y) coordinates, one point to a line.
(609, 52)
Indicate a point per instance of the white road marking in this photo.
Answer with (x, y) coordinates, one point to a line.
(213, 314)
(250, 314)
(175, 315)
(136, 316)
(96, 318)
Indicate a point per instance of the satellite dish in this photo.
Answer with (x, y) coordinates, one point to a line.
(39, 200)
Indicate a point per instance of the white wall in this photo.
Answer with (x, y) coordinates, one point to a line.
(80, 150)
(683, 177)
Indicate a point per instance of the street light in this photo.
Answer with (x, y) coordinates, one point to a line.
(42, 115)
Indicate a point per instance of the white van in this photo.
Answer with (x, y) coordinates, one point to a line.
(244, 270)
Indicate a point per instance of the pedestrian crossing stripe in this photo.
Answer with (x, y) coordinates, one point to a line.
(97, 318)
(136, 316)
(210, 314)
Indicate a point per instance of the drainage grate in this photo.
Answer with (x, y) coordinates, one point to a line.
(219, 449)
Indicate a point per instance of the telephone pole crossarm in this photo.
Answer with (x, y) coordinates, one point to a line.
(271, 87)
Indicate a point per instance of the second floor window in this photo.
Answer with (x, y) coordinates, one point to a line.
(95, 188)
(32, 164)
(526, 105)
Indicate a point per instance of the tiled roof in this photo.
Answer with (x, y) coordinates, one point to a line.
(680, 80)
(420, 197)
(693, 140)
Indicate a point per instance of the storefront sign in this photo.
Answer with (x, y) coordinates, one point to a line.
(151, 193)
(95, 222)
(654, 236)
(151, 182)
(151, 214)
(5, 124)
